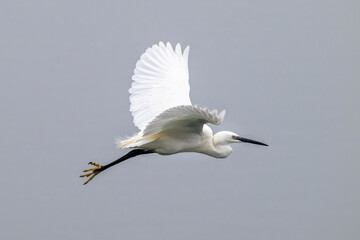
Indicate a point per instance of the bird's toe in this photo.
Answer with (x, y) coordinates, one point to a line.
(91, 172)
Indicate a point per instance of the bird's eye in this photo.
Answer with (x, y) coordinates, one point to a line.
(233, 136)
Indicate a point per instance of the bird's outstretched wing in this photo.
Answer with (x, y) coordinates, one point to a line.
(160, 82)
(183, 118)
(174, 120)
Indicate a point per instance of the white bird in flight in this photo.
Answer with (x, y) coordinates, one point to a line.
(162, 110)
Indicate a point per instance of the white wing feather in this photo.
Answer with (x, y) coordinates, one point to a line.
(176, 119)
(183, 118)
(160, 82)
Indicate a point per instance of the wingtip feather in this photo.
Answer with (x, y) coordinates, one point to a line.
(222, 115)
(168, 45)
(186, 52)
(178, 49)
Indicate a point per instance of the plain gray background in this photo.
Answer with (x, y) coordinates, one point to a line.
(286, 71)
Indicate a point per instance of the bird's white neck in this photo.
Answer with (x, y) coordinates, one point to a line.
(215, 146)
(222, 149)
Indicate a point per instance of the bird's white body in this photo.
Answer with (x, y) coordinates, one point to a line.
(162, 110)
(176, 142)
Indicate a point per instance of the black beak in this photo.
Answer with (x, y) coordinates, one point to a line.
(250, 141)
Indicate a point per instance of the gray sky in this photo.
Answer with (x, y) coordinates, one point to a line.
(286, 71)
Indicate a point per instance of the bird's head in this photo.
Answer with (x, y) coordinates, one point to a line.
(226, 137)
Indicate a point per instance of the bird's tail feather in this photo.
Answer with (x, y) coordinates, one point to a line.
(133, 142)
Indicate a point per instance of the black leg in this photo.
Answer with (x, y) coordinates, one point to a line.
(130, 154)
(98, 168)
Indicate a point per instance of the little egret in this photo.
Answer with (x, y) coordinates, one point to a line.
(162, 110)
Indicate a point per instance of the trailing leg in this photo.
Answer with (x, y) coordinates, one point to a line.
(92, 172)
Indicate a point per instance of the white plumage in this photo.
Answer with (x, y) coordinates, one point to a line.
(160, 101)
(161, 81)
(162, 110)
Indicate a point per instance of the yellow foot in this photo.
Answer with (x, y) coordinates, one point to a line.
(92, 171)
